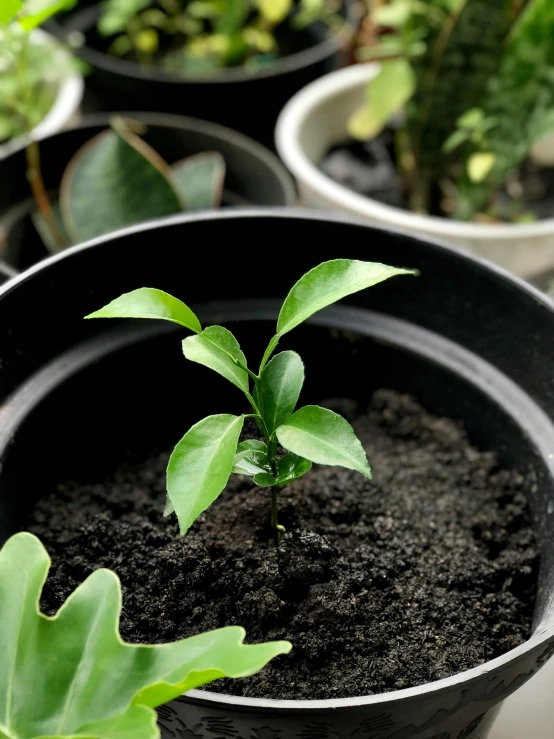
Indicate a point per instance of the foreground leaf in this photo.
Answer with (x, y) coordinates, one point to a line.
(71, 675)
(289, 468)
(9, 9)
(38, 11)
(217, 348)
(323, 437)
(198, 180)
(201, 465)
(279, 388)
(114, 180)
(251, 458)
(327, 283)
(147, 302)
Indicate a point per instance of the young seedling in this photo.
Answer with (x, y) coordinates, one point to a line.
(209, 452)
(73, 676)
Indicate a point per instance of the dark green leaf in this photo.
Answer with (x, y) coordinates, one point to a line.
(323, 437)
(279, 388)
(327, 283)
(198, 180)
(72, 675)
(114, 180)
(200, 466)
(147, 302)
(217, 348)
(289, 468)
(251, 458)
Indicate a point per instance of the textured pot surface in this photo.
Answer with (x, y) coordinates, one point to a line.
(469, 341)
(315, 120)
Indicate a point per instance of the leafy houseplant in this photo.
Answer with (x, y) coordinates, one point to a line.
(203, 36)
(117, 179)
(210, 451)
(474, 83)
(72, 676)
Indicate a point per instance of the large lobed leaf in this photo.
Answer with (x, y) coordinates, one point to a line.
(73, 676)
(201, 465)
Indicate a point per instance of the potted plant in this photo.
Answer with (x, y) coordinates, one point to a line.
(83, 679)
(41, 88)
(412, 597)
(447, 132)
(93, 179)
(236, 63)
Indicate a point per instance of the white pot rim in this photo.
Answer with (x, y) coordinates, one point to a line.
(287, 138)
(66, 104)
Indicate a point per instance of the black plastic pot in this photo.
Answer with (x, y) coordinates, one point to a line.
(468, 340)
(249, 102)
(254, 175)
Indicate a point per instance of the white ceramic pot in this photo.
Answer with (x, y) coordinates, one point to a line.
(66, 104)
(315, 119)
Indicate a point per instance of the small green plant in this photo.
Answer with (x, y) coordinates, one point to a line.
(116, 179)
(211, 450)
(72, 676)
(468, 86)
(203, 36)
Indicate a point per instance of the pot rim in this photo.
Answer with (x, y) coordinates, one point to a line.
(125, 68)
(542, 633)
(66, 104)
(299, 110)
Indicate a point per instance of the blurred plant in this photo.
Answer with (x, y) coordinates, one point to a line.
(202, 36)
(29, 79)
(472, 82)
(116, 179)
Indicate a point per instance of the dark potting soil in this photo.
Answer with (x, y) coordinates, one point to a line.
(427, 570)
(368, 168)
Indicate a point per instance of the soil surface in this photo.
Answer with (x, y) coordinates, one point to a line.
(427, 570)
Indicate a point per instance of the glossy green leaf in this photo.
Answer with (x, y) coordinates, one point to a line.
(198, 180)
(9, 9)
(289, 468)
(217, 348)
(388, 93)
(251, 458)
(147, 302)
(115, 180)
(72, 675)
(327, 283)
(201, 465)
(324, 437)
(279, 388)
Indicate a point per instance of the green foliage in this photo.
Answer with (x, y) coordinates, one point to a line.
(203, 36)
(73, 676)
(31, 71)
(210, 451)
(116, 179)
(483, 94)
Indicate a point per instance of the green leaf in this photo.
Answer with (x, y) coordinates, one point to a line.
(471, 119)
(455, 140)
(388, 92)
(200, 466)
(279, 388)
(198, 180)
(115, 180)
(324, 437)
(289, 468)
(479, 166)
(217, 348)
(38, 11)
(147, 302)
(394, 15)
(327, 283)
(9, 9)
(72, 675)
(251, 458)
(275, 11)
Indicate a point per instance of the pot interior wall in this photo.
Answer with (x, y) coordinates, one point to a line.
(131, 389)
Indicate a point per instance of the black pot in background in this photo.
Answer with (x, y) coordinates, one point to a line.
(254, 175)
(467, 339)
(6, 272)
(247, 102)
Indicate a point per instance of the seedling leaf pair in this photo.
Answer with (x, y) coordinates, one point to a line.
(210, 452)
